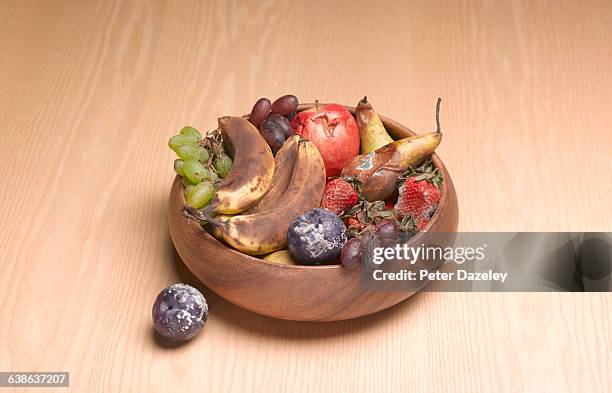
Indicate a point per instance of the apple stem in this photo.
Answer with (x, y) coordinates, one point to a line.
(438, 115)
(317, 105)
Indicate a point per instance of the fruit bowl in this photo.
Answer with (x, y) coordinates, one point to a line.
(293, 292)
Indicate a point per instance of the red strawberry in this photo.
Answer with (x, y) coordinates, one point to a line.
(339, 196)
(418, 198)
(352, 222)
(390, 201)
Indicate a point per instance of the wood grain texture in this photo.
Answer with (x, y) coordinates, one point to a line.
(91, 90)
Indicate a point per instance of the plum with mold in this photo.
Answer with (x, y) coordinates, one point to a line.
(179, 312)
(316, 237)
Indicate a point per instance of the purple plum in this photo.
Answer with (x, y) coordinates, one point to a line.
(179, 312)
(316, 237)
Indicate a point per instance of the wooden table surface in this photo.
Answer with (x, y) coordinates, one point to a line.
(91, 90)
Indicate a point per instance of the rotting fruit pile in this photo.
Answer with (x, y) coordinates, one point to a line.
(308, 187)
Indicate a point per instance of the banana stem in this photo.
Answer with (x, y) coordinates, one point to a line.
(214, 221)
(193, 213)
(202, 216)
(438, 115)
(208, 210)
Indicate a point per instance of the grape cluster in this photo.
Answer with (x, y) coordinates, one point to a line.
(386, 231)
(201, 164)
(273, 119)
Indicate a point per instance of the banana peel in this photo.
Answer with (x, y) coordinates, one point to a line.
(266, 231)
(252, 172)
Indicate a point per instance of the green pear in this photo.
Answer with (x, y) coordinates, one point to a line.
(371, 129)
(283, 257)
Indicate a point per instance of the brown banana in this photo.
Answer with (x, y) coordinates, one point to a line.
(214, 230)
(252, 171)
(284, 162)
(266, 231)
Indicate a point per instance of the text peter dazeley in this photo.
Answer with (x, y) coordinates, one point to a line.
(424, 274)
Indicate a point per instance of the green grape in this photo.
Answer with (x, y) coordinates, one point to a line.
(176, 141)
(189, 189)
(204, 155)
(179, 140)
(200, 194)
(187, 182)
(192, 132)
(178, 167)
(190, 152)
(195, 171)
(192, 138)
(223, 165)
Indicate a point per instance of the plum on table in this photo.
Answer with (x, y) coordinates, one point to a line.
(179, 312)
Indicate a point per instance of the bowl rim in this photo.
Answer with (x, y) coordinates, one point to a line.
(386, 121)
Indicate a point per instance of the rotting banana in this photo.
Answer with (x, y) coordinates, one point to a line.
(252, 171)
(283, 170)
(215, 230)
(266, 231)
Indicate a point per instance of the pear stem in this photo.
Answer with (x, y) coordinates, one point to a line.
(365, 99)
(438, 115)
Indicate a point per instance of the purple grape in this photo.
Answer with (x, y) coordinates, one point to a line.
(272, 134)
(316, 237)
(282, 123)
(179, 312)
(285, 105)
(352, 253)
(260, 111)
(387, 231)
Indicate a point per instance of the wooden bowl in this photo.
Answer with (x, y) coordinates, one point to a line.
(301, 293)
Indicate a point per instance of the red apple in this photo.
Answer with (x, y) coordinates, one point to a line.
(334, 131)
